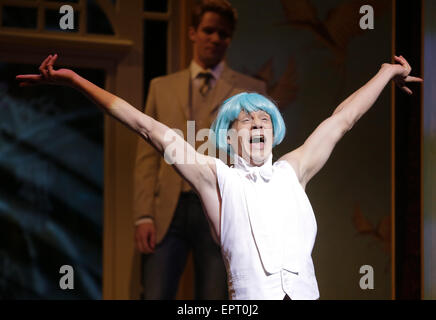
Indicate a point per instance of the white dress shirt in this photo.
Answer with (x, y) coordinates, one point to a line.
(267, 231)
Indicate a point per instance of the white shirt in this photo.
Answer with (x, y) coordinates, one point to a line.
(267, 230)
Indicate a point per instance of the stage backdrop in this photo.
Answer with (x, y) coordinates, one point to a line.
(51, 173)
(309, 71)
(429, 151)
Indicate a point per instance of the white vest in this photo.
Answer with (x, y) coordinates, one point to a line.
(268, 230)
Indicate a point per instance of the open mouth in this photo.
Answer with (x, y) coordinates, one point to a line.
(257, 139)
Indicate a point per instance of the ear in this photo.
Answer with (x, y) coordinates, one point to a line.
(229, 140)
(229, 145)
(192, 33)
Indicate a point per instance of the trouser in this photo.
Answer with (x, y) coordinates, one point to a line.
(188, 232)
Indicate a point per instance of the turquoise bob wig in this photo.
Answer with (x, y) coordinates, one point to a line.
(248, 102)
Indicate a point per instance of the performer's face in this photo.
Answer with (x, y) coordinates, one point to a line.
(252, 136)
(211, 39)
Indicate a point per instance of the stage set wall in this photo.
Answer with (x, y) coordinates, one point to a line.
(429, 152)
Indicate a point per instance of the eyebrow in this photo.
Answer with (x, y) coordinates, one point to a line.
(263, 113)
(248, 115)
(244, 115)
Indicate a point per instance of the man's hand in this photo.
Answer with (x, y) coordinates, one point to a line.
(401, 73)
(145, 237)
(48, 75)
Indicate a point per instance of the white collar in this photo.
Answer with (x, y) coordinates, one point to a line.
(216, 71)
(252, 172)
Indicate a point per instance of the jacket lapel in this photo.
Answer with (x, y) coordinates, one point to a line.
(183, 91)
(223, 87)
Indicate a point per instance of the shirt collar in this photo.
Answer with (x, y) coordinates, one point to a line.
(253, 172)
(216, 71)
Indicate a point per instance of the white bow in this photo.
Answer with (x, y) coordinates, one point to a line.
(252, 172)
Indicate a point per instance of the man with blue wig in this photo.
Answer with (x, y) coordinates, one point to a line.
(258, 211)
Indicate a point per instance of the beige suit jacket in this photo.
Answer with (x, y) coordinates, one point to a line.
(157, 185)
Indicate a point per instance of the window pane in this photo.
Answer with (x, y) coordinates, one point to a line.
(51, 156)
(52, 18)
(156, 5)
(19, 17)
(97, 21)
(155, 50)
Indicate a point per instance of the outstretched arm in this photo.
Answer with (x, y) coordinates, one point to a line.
(196, 168)
(309, 158)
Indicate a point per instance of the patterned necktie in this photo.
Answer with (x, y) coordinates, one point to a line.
(206, 86)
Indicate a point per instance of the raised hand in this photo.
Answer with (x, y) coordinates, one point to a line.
(47, 75)
(402, 73)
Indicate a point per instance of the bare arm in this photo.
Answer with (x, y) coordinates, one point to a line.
(147, 164)
(146, 171)
(197, 169)
(309, 158)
